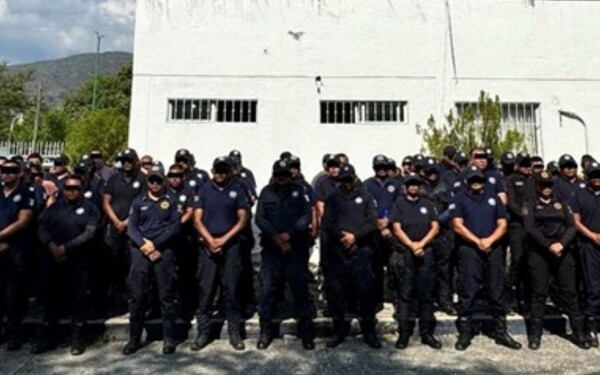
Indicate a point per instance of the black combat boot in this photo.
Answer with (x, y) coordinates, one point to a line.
(534, 337)
(501, 337)
(405, 331)
(426, 328)
(579, 337)
(591, 328)
(135, 337)
(78, 339)
(266, 335)
(339, 333)
(47, 340)
(307, 333)
(370, 333)
(465, 334)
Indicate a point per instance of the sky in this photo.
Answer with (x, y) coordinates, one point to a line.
(34, 30)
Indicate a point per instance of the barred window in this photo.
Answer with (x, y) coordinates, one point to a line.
(363, 112)
(212, 110)
(522, 116)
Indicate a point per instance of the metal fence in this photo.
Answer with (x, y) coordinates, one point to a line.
(48, 150)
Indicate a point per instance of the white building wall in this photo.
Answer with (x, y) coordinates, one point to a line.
(363, 50)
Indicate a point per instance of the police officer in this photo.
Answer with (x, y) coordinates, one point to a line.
(446, 162)
(537, 164)
(184, 247)
(452, 179)
(443, 244)
(567, 182)
(407, 165)
(194, 177)
(385, 190)
(550, 228)
(241, 170)
(414, 220)
(153, 223)
(520, 189)
(119, 193)
(66, 230)
(60, 170)
(102, 172)
(507, 164)
(220, 215)
(479, 220)
(349, 224)
(16, 215)
(586, 216)
(283, 217)
(324, 172)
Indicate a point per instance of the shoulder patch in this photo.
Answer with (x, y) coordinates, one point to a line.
(457, 184)
(295, 194)
(17, 198)
(193, 183)
(136, 185)
(80, 211)
(199, 175)
(358, 200)
(391, 188)
(492, 201)
(423, 210)
(519, 183)
(582, 185)
(452, 206)
(88, 194)
(182, 198)
(243, 174)
(492, 180)
(233, 194)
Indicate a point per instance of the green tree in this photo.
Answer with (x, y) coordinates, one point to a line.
(106, 129)
(13, 96)
(479, 125)
(114, 91)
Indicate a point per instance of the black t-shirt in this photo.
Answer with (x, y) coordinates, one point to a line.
(123, 191)
(415, 217)
(587, 204)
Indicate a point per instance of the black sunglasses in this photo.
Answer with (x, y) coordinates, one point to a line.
(480, 156)
(155, 180)
(182, 160)
(10, 170)
(175, 175)
(72, 187)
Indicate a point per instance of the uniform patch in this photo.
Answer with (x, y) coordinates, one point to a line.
(558, 206)
(232, 194)
(492, 180)
(457, 184)
(582, 185)
(243, 174)
(80, 211)
(307, 197)
(358, 200)
(519, 183)
(199, 175)
(295, 194)
(423, 210)
(136, 185)
(32, 189)
(452, 206)
(525, 211)
(88, 194)
(17, 198)
(391, 189)
(492, 202)
(144, 208)
(164, 205)
(192, 183)
(182, 198)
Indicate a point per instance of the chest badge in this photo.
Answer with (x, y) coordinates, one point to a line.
(164, 205)
(233, 194)
(88, 194)
(391, 189)
(492, 180)
(492, 202)
(182, 198)
(582, 185)
(295, 194)
(193, 183)
(17, 198)
(136, 185)
(558, 206)
(358, 200)
(423, 210)
(80, 211)
(243, 174)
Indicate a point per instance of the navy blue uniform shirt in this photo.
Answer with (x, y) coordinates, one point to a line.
(479, 212)
(586, 203)
(184, 196)
(10, 207)
(283, 210)
(324, 187)
(69, 224)
(157, 221)
(123, 191)
(415, 216)
(196, 179)
(564, 190)
(220, 205)
(385, 193)
(548, 222)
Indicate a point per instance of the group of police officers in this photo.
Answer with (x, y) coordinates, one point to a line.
(140, 235)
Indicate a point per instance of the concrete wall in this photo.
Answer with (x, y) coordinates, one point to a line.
(363, 50)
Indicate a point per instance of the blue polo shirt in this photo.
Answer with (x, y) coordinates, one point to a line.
(385, 193)
(10, 207)
(324, 187)
(123, 191)
(479, 212)
(184, 196)
(415, 216)
(196, 179)
(494, 184)
(157, 221)
(219, 206)
(586, 203)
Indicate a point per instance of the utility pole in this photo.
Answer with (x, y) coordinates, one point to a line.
(95, 94)
(36, 123)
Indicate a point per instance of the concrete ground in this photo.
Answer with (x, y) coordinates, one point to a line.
(285, 356)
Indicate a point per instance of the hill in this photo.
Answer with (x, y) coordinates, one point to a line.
(60, 77)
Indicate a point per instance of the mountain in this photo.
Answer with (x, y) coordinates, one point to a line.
(62, 76)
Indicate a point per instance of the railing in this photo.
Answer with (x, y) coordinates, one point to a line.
(46, 149)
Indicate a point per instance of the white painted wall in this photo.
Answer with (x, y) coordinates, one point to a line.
(364, 50)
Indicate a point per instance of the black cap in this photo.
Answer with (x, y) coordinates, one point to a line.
(380, 161)
(593, 170)
(587, 158)
(566, 160)
(129, 154)
(542, 178)
(537, 159)
(183, 154)
(222, 161)
(333, 161)
(347, 171)
(552, 167)
(392, 163)
(460, 157)
(407, 160)
(235, 154)
(294, 161)
(412, 179)
(449, 151)
(430, 165)
(523, 158)
(281, 167)
(285, 155)
(507, 158)
(326, 158)
(156, 169)
(62, 160)
(472, 172)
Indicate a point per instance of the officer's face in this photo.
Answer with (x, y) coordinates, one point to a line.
(412, 189)
(569, 171)
(432, 176)
(34, 161)
(220, 175)
(128, 165)
(175, 178)
(347, 184)
(146, 164)
(381, 172)
(525, 169)
(72, 190)
(295, 171)
(155, 184)
(545, 190)
(479, 159)
(594, 183)
(537, 168)
(10, 173)
(59, 169)
(407, 168)
(283, 179)
(334, 170)
(476, 185)
(185, 163)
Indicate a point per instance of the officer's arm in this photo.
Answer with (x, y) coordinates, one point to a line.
(503, 198)
(133, 231)
(581, 228)
(328, 223)
(200, 227)
(262, 222)
(301, 225)
(501, 227)
(23, 219)
(401, 235)
(458, 224)
(513, 207)
(433, 231)
(188, 214)
(108, 210)
(242, 220)
(170, 230)
(530, 228)
(87, 234)
(43, 233)
(570, 232)
(370, 219)
(320, 208)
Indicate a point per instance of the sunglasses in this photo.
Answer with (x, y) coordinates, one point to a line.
(175, 175)
(476, 181)
(537, 166)
(155, 181)
(222, 170)
(10, 170)
(96, 156)
(36, 175)
(147, 163)
(72, 188)
(59, 164)
(127, 160)
(545, 185)
(480, 156)
(182, 160)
